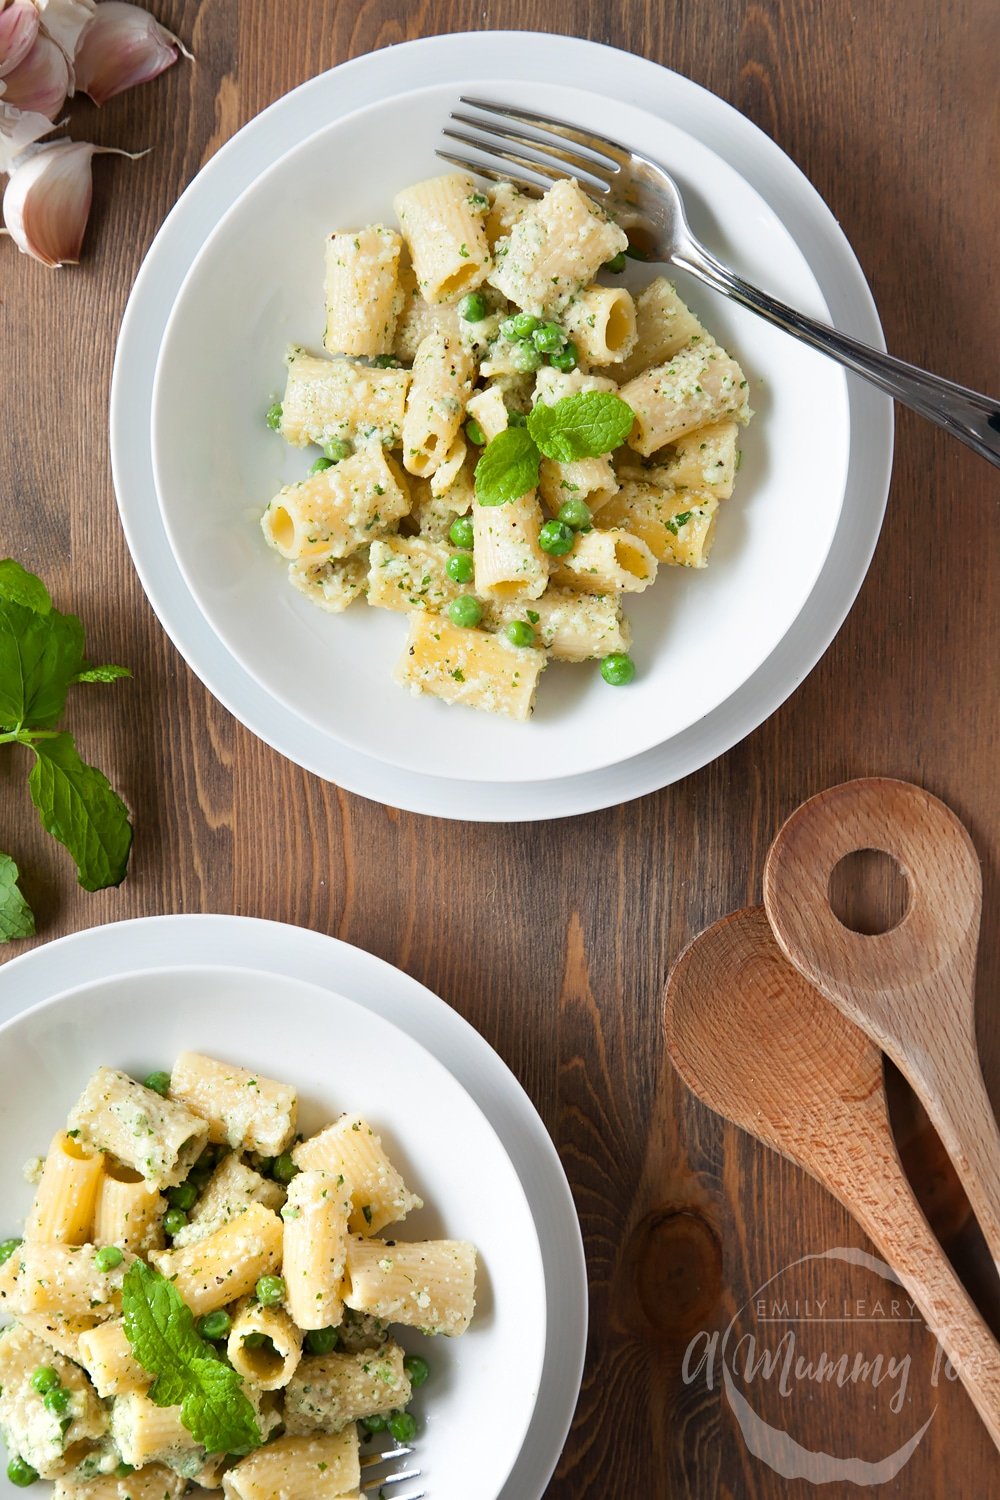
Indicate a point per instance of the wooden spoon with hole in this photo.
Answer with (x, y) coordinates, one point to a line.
(911, 989)
(760, 1046)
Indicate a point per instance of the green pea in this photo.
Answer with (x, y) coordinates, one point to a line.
(21, 1473)
(616, 264)
(461, 532)
(57, 1400)
(336, 449)
(158, 1082)
(253, 1340)
(7, 1248)
(564, 358)
(475, 433)
(576, 513)
(184, 1196)
(124, 1470)
(271, 1290)
(508, 330)
(273, 418)
(524, 325)
(556, 538)
(374, 1424)
(45, 1379)
(215, 1325)
(108, 1257)
(516, 419)
(417, 1369)
(174, 1220)
(548, 338)
(283, 1169)
(520, 633)
(322, 1340)
(386, 362)
(460, 568)
(618, 669)
(525, 357)
(473, 307)
(465, 611)
(320, 465)
(403, 1426)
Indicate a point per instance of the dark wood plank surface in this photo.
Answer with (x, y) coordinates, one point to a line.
(893, 112)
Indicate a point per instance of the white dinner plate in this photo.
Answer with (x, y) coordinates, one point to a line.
(455, 59)
(465, 1135)
(257, 285)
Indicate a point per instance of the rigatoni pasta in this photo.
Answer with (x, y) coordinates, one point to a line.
(467, 469)
(201, 1337)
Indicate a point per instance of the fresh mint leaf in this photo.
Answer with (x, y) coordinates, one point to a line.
(79, 808)
(39, 656)
(508, 467)
(581, 426)
(22, 587)
(106, 673)
(164, 1338)
(16, 919)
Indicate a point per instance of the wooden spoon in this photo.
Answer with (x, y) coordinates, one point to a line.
(762, 1047)
(912, 989)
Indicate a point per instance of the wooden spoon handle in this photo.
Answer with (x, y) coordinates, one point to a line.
(893, 1220)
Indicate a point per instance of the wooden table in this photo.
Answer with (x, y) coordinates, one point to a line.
(555, 939)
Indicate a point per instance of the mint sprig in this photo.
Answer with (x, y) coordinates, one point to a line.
(508, 467)
(16, 919)
(585, 425)
(164, 1338)
(41, 657)
(581, 426)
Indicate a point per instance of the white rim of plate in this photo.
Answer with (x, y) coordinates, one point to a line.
(451, 59)
(147, 944)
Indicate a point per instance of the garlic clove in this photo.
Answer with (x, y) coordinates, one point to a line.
(123, 45)
(64, 20)
(46, 203)
(19, 128)
(39, 83)
(18, 29)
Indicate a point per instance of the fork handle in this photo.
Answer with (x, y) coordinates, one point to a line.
(967, 415)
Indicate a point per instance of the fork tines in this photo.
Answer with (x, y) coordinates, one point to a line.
(376, 1482)
(596, 160)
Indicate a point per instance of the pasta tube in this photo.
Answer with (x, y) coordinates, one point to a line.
(158, 1138)
(244, 1109)
(298, 1468)
(63, 1210)
(350, 1148)
(362, 290)
(607, 562)
(701, 385)
(225, 1265)
(430, 1285)
(443, 222)
(316, 1215)
(328, 1392)
(469, 666)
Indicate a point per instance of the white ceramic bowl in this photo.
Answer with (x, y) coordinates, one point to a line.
(341, 1056)
(257, 285)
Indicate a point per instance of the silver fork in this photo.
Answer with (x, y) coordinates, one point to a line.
(377, 1477)
(640, 196)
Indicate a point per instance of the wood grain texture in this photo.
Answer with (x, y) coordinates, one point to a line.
(555, 940)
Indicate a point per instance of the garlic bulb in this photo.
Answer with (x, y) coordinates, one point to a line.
(64, 20)
(18, 29)
(123, 45)
(40, 82)
(19, 128)
(46, 203)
